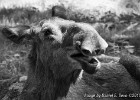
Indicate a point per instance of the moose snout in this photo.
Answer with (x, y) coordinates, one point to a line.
(93, 48)
(88, 52)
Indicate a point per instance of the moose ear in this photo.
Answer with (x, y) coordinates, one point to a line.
(59, 11)
(17, 33)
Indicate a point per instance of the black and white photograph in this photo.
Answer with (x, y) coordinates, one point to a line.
(69, 49)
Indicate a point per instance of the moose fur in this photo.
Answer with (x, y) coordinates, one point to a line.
(60, 52)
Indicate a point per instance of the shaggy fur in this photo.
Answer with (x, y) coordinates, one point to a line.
(51, 67)
(132, 64)
(58, 11)
(109, 83)
(18, 31)
(52, 71)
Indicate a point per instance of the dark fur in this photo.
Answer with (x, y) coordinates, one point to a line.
(132, 64)
(59, 11)
(111, 79)
(52, 71)
(51, 68)
(48, 78)
(19, 36)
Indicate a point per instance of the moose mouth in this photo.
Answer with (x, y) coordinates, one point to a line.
(89, 64)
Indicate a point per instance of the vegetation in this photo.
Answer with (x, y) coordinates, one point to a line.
(14, 16)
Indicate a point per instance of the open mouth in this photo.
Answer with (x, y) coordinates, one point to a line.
(89, 64)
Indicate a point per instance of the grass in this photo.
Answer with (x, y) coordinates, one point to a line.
(14, 16)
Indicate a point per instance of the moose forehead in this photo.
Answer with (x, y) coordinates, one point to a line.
(59, 29)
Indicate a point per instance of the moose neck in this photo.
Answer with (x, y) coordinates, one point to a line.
(49, 88)
(43, 83)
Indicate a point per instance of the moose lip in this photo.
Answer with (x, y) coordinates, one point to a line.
(89, 64)
(82, 57)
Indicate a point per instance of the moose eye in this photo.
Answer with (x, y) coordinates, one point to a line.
(63, 29)
(47, 32)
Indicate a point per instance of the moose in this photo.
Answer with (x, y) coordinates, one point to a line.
(63, 64)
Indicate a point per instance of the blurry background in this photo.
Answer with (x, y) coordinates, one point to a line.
(118, 6)
(94, 8)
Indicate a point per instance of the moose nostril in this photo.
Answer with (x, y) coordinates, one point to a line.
(86, 52)
(99, 51)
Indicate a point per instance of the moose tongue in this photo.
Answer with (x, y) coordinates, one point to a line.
(89, 64)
